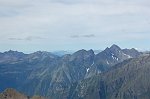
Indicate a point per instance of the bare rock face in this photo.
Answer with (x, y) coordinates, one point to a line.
(127, 80)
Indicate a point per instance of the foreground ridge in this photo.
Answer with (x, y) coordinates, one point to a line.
(13, 94)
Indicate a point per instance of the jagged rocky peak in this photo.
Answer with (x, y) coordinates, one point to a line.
(80, 51)
(11, 52)
(114, 54)
(83, 52)
(133, 49)
(115, 47)
(41, 54)
(91, 51)
(132, 52)
(114, 50)
(82, 58)
(11, 56)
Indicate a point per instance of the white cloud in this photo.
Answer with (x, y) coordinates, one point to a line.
(59, 19)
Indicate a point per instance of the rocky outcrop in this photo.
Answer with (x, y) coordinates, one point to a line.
(13, 94)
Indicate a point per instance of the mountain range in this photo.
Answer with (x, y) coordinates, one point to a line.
(110, 74)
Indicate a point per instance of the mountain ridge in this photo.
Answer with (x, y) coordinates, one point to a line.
(120, 82)
(46, 74)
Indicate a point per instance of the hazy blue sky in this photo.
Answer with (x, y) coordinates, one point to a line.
(31, 25)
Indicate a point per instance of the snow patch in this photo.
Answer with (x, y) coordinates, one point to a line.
(116, 58)
(127, 55)
(107, 62)
(87, 69)
(113, 57)
(112, 54)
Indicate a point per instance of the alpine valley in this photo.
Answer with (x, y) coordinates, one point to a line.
(113, 73)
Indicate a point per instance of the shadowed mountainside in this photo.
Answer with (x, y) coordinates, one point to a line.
(127, 80)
